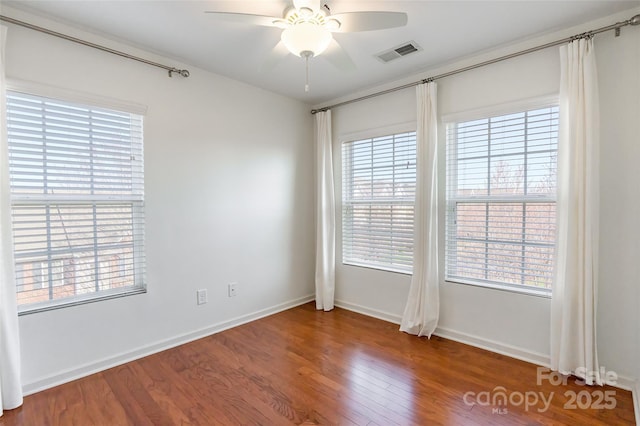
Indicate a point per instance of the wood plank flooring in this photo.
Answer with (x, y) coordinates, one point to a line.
(308, 367)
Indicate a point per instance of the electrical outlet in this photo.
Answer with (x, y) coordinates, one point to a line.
(233, 287)
(201, 296)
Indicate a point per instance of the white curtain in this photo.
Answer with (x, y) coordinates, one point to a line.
(573, 306)
(423, 305)
(325, 215)
(10, 386)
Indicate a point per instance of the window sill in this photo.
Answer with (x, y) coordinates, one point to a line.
(528, 291)
(37, 308)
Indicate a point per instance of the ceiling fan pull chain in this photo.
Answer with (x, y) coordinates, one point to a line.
(306, 64)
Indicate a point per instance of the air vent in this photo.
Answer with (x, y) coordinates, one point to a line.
(398, 52)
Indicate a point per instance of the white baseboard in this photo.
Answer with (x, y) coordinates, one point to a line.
(106, 363)
(385, 316)
(483, 343)
(494, 346)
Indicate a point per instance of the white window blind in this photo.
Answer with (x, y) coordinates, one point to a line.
(77, 201)
(378, 196)
(501, 192)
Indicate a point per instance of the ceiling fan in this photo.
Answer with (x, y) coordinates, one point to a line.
(308, 28)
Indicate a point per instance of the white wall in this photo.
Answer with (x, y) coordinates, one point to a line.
(516, 323)
(228, 182)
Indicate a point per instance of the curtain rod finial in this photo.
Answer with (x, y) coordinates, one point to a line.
(184, 73)
(635, 20)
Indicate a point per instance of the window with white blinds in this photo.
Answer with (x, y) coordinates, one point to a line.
(501, 200)
(77, 201)
(378, 196)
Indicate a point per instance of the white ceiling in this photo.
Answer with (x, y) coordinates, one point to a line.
(446, 30)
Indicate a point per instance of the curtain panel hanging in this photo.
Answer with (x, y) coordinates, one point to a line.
(574, 299)
(10, 386)
(325, 215)
(422, 310)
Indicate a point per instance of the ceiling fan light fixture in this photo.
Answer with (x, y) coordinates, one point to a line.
(306, 37)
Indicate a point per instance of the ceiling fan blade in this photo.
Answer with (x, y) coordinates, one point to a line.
(245, 18)
(369, 21)
(274, 57)
(339, 57)
(311, 4)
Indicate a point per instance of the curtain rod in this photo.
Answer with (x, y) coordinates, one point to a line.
(635, 20)
(171, 70)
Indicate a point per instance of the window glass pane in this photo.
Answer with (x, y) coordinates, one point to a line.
(539, 266)
(471, 219)
(20, 278)
(473, 177)
(38, 274)
(542, 173)
(464, 261)
(505, 221)
(541, 224)
(507, 175)
(472, 139)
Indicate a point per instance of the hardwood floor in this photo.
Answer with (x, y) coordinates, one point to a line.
(308, 367)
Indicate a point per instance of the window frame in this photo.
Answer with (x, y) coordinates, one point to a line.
(478, 114)
(138, 250)
(374, 133)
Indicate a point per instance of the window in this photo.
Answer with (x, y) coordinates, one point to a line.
(77, 201)
(378, 195)
(501, 191)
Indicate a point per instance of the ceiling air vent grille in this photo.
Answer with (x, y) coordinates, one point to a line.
(398, 52)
